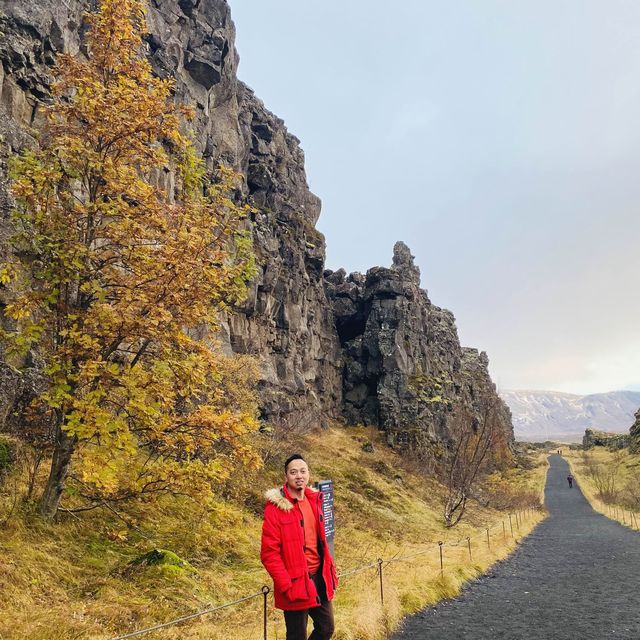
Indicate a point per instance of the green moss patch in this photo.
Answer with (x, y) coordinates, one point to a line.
(168, 562)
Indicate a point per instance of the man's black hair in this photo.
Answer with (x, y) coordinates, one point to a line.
(295, 456)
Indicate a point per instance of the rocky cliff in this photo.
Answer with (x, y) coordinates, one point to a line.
(286, 320)
(594, 438)
(404, 368)
(634, 434)
(375, 339)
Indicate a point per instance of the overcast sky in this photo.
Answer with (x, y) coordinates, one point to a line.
(500, 140)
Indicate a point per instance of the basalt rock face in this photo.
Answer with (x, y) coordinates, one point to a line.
(594, 438)
(404, 369)
(286, 321)
(376, 340)
(634, 434)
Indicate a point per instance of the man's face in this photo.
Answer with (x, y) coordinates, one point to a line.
(297, 476)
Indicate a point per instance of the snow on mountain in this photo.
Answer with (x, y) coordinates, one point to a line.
(552, 415)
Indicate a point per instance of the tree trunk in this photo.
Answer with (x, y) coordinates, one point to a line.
(62, 454)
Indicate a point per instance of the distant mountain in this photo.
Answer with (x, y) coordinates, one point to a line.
(551, 415)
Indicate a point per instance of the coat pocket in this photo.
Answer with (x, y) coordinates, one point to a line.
(299, 589)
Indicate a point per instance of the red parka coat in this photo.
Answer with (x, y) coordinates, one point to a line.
(282, 551)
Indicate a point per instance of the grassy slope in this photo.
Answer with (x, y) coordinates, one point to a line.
(67, 580)
(628, 467)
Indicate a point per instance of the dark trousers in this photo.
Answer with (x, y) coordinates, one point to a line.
(322, 616)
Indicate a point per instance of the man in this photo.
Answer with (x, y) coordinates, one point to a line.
(570, 481)
(296, 554)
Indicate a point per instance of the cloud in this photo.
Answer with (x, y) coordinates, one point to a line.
(607, 371)
(611, 368)
(409, 119)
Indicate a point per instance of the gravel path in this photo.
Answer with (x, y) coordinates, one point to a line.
(576, 577)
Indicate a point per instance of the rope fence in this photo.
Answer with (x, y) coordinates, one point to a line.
(616, 512)
(263, 592)
(378, 565)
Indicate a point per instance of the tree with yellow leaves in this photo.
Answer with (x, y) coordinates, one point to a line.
(117, 282)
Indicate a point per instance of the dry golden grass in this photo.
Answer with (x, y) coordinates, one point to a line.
(626, 465)
(66, 581)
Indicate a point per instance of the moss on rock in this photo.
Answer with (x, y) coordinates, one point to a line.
(168, 562)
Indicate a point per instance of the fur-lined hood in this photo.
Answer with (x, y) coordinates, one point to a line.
(278, 497)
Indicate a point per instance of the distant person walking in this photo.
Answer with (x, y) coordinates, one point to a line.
(296, 554)
(570, 481)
